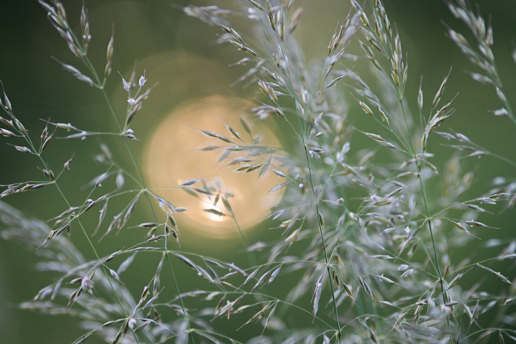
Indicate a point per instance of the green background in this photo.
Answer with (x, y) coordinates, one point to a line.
(39, 88)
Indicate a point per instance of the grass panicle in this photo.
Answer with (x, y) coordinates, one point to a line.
(367, 225)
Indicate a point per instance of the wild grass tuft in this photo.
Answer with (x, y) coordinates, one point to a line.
(369, 224)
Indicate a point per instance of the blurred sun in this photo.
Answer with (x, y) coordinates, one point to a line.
(178, 151)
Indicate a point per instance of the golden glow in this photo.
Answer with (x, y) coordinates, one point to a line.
(174, 155)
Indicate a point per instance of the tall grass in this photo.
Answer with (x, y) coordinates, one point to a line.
(369, 224)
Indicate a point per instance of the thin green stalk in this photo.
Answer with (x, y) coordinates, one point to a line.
(334, 302)
(499, 157)
(507, 104)
(95, 252)
(90, 66)
(245, 242)
(423, 191)
(165, 245)
(302, 136)
(29, 141)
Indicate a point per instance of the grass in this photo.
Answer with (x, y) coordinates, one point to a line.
(369, 224)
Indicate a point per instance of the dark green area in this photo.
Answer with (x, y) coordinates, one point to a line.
(39, 89)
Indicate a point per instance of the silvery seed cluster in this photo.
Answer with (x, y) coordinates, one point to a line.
(367, 226)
